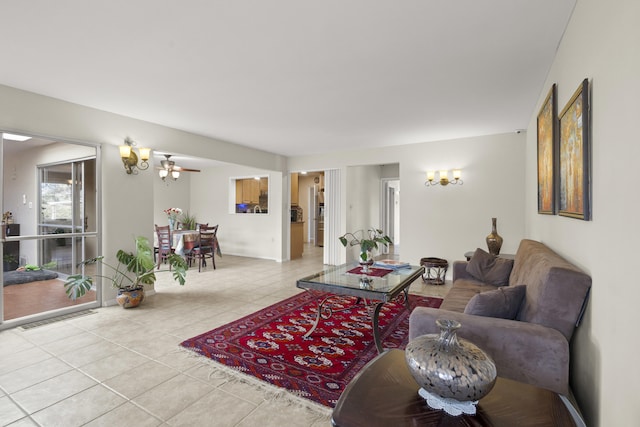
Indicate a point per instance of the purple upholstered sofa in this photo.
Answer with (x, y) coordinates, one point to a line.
(533, 347)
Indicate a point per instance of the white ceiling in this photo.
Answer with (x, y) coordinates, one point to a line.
(293, 77)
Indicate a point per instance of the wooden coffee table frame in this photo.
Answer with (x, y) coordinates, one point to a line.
(373, 292)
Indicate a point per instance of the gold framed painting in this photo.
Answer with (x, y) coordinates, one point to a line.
(548, 154)
(575, 156)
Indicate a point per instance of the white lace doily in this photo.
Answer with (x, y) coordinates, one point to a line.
(450, 406)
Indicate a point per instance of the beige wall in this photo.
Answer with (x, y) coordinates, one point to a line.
(602, 44)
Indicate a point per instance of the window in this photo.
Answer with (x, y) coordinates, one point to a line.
(251, 195)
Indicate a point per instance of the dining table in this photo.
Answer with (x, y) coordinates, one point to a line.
(183, 240)
(179, 237)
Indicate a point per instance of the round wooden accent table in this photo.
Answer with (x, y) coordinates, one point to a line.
(385, 394)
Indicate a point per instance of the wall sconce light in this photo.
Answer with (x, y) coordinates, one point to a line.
(130, 158)
(443, 178)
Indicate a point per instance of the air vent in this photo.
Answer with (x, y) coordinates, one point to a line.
(56, 319)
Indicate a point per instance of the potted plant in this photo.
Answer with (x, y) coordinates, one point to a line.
(9, 262)
(134, 270)
(188, 221)
(368, 241)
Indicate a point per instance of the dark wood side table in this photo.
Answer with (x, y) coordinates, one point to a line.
(469, 254)
(385, 394)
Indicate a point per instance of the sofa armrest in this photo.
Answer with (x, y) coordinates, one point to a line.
(460, 271)
(525, 352)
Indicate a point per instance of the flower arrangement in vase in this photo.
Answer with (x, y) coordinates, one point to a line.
(172, 215)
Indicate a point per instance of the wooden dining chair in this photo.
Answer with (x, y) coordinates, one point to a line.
(164, 244)
(206, 246)
(189, 243)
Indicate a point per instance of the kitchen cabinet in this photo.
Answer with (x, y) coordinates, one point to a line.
(248, 191)
(264, 186)
(238, 191)
(294, 189)
(297, 242)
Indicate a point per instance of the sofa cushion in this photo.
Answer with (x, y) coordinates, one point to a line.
(461, 292)
(503, 303)
(490, 269)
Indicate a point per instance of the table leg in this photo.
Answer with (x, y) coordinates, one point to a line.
(318, 316)
(406, 298)
(329, 312)
(374, 322)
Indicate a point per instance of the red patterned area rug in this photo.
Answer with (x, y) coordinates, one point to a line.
(269, 344)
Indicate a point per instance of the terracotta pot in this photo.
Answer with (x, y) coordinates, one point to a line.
(130, 298)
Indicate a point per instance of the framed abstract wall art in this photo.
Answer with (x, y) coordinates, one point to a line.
(548, 154)
(575, 156)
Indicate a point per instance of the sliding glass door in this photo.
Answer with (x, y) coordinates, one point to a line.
(50, 200)
(63, 212)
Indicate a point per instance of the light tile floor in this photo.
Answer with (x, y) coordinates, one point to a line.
(118, 367)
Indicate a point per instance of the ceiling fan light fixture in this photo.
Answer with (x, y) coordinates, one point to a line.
(169, 169)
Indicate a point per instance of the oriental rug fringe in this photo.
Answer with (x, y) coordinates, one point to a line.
(270, 344)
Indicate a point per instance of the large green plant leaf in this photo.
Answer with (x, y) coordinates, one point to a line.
(133, 269)
(77, 285)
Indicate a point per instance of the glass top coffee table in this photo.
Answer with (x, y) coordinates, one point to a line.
(373, 289)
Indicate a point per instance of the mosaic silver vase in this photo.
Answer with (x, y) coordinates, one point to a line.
(450, 367)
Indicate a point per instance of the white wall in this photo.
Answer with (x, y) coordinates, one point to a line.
(446, 222)
(172, 194)
(602, 44)
(127, 203)
(363, 202)
(258, 236)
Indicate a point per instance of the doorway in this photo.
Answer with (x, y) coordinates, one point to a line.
(50, 200)
(390, 210)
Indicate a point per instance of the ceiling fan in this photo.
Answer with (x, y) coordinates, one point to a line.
(169, 169)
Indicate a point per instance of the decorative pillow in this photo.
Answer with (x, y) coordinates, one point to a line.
(503, 303)
(490, 269)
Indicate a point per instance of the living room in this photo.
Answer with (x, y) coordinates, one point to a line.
(499, 173)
